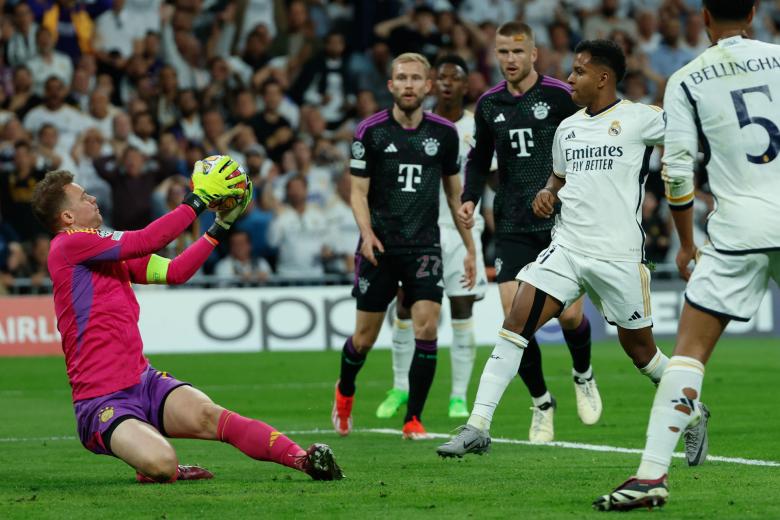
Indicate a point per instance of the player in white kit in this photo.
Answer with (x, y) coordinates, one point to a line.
(727, 100)
(451, 87)
(600, 163)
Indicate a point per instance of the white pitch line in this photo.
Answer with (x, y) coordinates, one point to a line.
(497, 440)
(556, 444)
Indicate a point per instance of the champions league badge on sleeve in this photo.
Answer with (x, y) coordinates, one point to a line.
(358, 150)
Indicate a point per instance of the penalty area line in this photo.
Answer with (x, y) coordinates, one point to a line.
(554, 444)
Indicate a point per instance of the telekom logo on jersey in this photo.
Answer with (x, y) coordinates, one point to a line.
(409, 175)
(522, 139)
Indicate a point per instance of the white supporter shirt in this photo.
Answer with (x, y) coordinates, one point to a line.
(465, 127)
(604, 160)
(300, 238)
(729, 99)
(68, 121)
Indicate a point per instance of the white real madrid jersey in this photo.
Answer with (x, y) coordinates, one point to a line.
(728, 99)
(465, 127)
(604, 159)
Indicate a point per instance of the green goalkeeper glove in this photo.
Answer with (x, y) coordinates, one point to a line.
(225, 219)
(218, 182)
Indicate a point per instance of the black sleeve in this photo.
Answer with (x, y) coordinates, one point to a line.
(362, 160)
(451, 158)
(480, 157)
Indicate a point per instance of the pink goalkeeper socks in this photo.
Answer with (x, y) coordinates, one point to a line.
(258, 440)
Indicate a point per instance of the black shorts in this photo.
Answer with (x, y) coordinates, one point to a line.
(515, 252)
(420, 274)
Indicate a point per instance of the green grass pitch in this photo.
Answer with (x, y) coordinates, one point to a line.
(45, 472)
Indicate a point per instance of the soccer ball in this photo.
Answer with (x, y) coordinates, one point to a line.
(225, 203)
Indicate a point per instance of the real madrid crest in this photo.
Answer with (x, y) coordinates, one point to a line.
(614, 128)
(431, 146)
(358, 150)
(541, 110)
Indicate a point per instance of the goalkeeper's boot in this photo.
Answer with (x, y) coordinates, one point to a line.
(588, 399)
(469, 439)
(320, 464)
(389, 407)
(184, 473)
(634, 493)
(414, 430)
(696, 438)
(342, 413)
(458, 408)
(542, 428)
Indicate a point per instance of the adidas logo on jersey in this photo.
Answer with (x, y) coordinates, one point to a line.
(570, 136)
(391, 148)
(499, 118)
(635, 316)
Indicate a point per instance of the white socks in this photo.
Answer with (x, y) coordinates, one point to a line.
(499, 371)
(462, 356)
(674, 408)
(655, 369)
(403, 350)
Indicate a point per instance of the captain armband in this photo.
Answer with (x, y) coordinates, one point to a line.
(679, 190)
(157, 270)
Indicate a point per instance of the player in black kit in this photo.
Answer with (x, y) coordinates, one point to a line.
(517, 119)
(400, 156)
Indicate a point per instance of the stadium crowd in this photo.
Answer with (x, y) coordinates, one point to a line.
(128, 94)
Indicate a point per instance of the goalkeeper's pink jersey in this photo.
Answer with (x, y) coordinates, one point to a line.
(97, 312)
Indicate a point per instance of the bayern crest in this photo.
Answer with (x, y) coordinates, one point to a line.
(541, 110)
(431, 146)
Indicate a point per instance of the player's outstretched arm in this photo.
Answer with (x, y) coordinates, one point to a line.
(155, 269)
(91, 246)
(369, 243)
(452, 190)
(544, 202)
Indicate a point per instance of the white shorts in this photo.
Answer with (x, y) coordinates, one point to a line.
(731, 286)
(621, 290)
(453, 252)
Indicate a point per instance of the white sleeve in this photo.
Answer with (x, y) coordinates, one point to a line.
(681, 145)
(653, 125)
(559, 163)
(276, 230)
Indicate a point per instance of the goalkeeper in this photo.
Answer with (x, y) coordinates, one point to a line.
(123, 406)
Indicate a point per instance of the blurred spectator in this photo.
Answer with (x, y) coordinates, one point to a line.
(71, 23)
(296, 41)
(68, 121)
(181, 49)
(116, 34)
(12, 133)
(670, 55)
(299, 231)
(606, 20)
(324, 82)
(240, 264)
(648, 37)
(133, 178)
(22, 46)
(272, 130)
(37, 266)
(343, 232)
(414, 32)
(11, 255)
(101, 112)
(256, 223)
(87, 150)
(497, 11)
(144, 136)
(48, 62)
(188, 124)
(16, 189)
(23, 98)
(49, 155)
(696, 39)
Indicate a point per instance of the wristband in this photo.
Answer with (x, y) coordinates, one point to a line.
(195, 202)
(217, 232)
